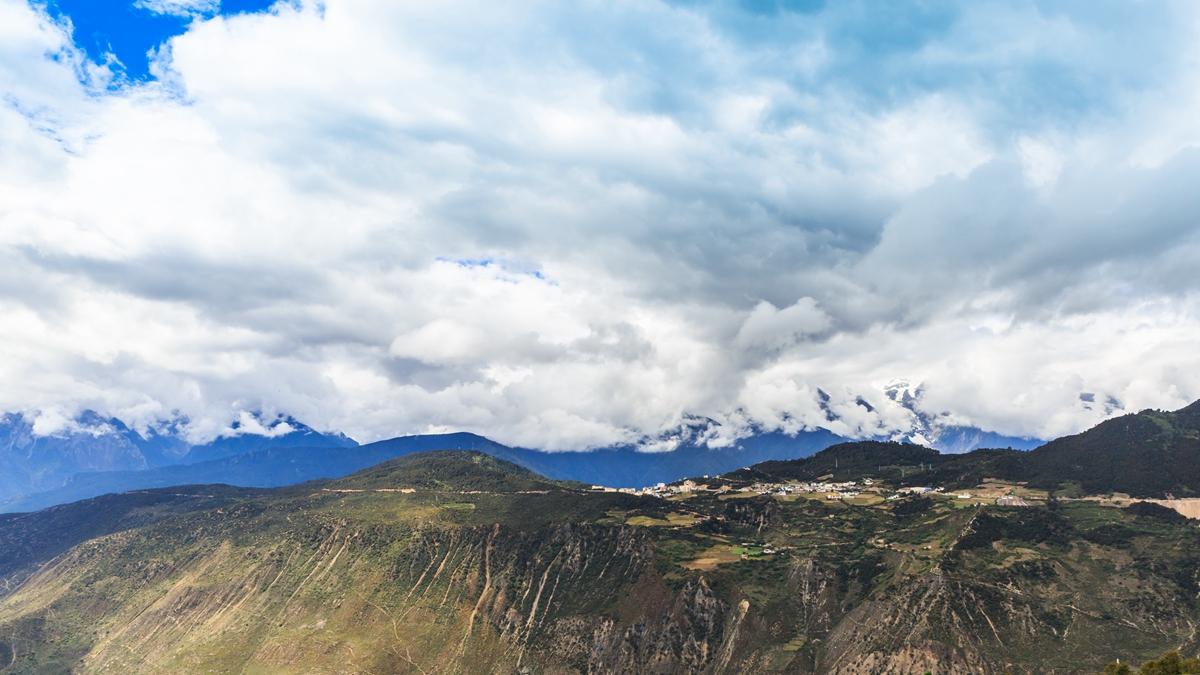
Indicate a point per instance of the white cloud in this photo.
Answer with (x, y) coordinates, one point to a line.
(442, 342)
(184, 8)
(248, 423)
(567, 225)
(772, 328)
(1043, 162)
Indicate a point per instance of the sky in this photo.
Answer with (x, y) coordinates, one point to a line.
(566, 225)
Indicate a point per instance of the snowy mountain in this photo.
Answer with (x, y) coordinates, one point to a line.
(34, 459)
(942, 434)
(92, 455)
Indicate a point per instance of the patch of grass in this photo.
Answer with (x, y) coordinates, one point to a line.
(647, 521)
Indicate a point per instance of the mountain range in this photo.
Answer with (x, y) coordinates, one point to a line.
(458, 561)
(94, 455)
(1153, 454)
(32, 462)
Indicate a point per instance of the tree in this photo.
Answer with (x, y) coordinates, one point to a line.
(1170, 663)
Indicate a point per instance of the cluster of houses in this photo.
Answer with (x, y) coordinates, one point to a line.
(846, 490)
(906, 491)
(664, 490)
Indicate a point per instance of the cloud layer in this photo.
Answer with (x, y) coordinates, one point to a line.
(566, 225)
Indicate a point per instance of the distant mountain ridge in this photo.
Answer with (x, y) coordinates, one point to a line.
(1152, 454)
(279, 466)
(94, 455)
(941, 433)
(629, 466)
(31, 462)
(296, 435)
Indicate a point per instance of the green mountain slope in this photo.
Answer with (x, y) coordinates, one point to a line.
(1151, 454)
(27, 539)
(454, 562)
(449, 470)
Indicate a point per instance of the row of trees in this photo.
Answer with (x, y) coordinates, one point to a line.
(1170, 663)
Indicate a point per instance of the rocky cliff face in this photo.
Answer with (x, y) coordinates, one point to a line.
(566, 599)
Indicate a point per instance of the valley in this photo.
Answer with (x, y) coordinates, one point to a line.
(457, 562)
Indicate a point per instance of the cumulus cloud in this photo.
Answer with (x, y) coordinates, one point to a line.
(567, 225)
(772, 328)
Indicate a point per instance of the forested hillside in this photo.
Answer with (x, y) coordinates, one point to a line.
(1151, 454)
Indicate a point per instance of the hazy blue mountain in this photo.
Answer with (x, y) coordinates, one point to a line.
(956, 440)
(300, 436)
(626, 466)
(937, 431)
(31, 463)
(100, 456)
(92, 444)
(274, 467)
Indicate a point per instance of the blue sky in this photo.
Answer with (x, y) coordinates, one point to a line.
(129, 30)
(712, 208)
